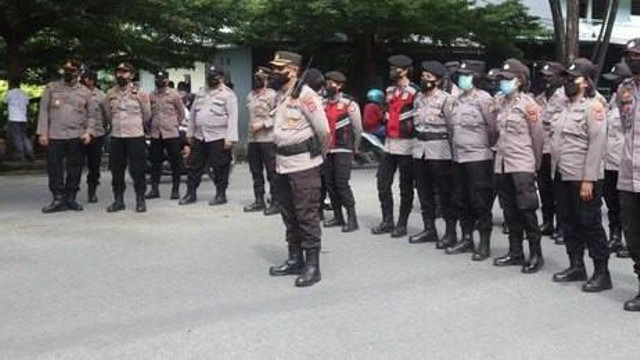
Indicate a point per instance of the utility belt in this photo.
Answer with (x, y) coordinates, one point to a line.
(311, 145)
(431, 136)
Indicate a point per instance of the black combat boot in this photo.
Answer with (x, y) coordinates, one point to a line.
(559, 236)
(258, 205)
(59, 203)
(450, 236)
(118, 202)
(384, 227)
(429, 234)
(483, 250)
(175, 190)
(633, 304)
(515, 256)
(72, 204)
(623, 253)
(141, 204)
(91, 193)
(189, 198)
(352, 221)
(615, 239)
(400, 229)
(601, 279)
(535, 261)
(337, 220)
(575, 271)
(547, 226)
(219, 199)
(273, 208)
(294, 264)
(154, 193)
(465, 244)
(311, 273)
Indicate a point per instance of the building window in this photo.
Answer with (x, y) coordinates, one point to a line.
(599, 10)
(635, 7)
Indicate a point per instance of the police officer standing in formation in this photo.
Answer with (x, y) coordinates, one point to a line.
(628, 97)
(93, 151)
(302, 136)
(518, 156)
(553, 100)
(64, 125)
(398, 148)
(128, 111)
(213, 130)
(474, 135)
(579, 146)
(261, 102)
(167, 111)
(615, 143)
(345, 125)
(432, 155)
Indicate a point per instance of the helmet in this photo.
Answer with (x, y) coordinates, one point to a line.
(375, 95)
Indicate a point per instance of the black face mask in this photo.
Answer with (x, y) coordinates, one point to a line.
(394, 75)
(331, 92)
(122, 81)
(213, 82)
(161, 84)
(258, 83)
(571, 88)
(278, 80)
(428, 85)
(634, 66)
(69, 76)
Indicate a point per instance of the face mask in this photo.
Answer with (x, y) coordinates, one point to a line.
(428, 85)
(213, 81)
(122, 81)
(161, 84)
(571, 88)
(634, 66)
(507, 87)
(331, 91)
(394, 75)
(278, 80)
(69, 76)
(465, 82)
(258, 82)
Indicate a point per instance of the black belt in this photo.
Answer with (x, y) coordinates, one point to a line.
(295, 149)
(431, 136)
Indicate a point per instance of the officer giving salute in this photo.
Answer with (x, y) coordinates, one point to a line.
(213, 130)
(64, 125)
(302, 136)
(128, 111)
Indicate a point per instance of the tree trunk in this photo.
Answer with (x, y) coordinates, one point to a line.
(559, 33)
(573, 21)
(14, 62)
(365, 64)
(604, 46)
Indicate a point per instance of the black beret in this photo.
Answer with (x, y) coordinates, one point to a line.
(619, 71)
(434, 67)
(402, 61)
(633, 45)
(336, 76)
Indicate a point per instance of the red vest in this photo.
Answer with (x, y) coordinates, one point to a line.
(400, 111)
(340, 123)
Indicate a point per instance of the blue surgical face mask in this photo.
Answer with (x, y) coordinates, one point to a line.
(465, 82)
(507, 87)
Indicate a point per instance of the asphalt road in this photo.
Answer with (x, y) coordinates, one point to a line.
(191, 282)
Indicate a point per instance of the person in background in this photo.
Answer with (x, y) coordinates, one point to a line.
(18, 101)
(93, 151)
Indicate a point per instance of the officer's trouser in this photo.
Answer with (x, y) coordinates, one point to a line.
(298, 196)
(473, 194)
(545, 186)
(262, 157)
(519, 199)
(129, 152)
(336, 172)
(612, 198)
(434, 176)
(64, 179)
(93, 155)
(582, 220)
(386, 171)
(209, 154)
(630, 206)
(157, 151)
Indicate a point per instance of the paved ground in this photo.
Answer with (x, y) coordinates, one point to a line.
(191, 283)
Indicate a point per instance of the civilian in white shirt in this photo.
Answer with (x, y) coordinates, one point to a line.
(18, 101)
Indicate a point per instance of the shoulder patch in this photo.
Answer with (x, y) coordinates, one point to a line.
(533, 113)
(309, 104)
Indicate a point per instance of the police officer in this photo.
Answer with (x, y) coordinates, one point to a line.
(450, 82)
(474, 135)
(398, 148)
(518, 156)
(301, 135)
(432, 157)
(261, 102)
(93, 151)
(615, 143)
(579, 145)
(167, 111)
(64, 125)
(628, 97)
(345, 125)
(128, 111)
(213, 130)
